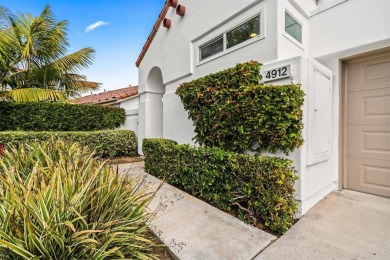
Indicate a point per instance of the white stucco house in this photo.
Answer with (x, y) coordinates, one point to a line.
(337, 49)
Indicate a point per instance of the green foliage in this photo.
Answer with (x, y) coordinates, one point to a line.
(109, 143)
(254, 188)
(232, 111)
(44, 116)
(35, 64)
(58, 202)
(24, 95)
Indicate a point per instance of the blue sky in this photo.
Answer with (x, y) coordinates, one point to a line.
(118, 41)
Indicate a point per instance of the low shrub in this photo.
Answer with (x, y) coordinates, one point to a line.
(254, 188)
(106, 143)
(55, 116)
(58, 202)
(231, 110)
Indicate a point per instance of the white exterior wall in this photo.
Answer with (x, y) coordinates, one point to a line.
(130, 105)
(349, 25)
(346, 29)
(333, 30)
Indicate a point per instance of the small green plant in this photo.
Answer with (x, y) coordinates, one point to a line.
(58, 202)
(106, 143)
(54, 116)
(257, 189)
(231, 110)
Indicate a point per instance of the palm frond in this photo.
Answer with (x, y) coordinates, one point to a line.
(35, 95)
(84, 86)
(6, 18)
(76, 61)
(75, 84)
(33, 55)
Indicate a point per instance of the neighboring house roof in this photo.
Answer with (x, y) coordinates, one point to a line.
(108, 96)
(153, 33)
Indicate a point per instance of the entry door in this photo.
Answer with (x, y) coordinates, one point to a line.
(368, 125)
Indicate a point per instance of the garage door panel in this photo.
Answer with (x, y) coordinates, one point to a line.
(371, 141)
(373, 175)
(368, 125)
(371, 73)
(369, 107)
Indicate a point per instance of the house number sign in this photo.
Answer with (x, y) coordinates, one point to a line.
(277, 73)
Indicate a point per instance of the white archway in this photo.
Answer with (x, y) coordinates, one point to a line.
(154, 113)
(151, 107)
(154, 81)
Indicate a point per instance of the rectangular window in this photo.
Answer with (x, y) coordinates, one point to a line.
(243, 32)
(211, 48)
(293, 28)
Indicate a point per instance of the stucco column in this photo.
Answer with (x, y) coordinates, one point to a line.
(150, 117)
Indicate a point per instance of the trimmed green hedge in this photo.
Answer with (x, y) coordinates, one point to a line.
(232, 111)
(54, 116)
(254, 188)
(107, 143)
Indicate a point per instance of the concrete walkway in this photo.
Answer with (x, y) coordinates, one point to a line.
(195, 230)
(345, 225)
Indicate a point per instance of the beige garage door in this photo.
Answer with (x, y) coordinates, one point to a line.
(368, 125)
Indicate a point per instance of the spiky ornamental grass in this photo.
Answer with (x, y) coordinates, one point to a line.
(58, 202)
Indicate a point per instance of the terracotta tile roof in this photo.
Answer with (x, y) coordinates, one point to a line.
(108, 96)
(153, 33)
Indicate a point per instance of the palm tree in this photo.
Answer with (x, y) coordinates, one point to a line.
(34, 64)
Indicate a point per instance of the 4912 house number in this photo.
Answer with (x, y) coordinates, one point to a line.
(277, 73)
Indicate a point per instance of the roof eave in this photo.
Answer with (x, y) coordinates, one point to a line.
(126, 98)
(152, 33)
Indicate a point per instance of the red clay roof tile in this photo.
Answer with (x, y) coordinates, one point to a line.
(113, 95)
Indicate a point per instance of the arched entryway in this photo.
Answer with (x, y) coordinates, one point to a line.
(151, 107)
(155, 91)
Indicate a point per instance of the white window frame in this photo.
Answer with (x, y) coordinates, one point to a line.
(288, 36)
(235, 27)
(225, 51)
(211, 42)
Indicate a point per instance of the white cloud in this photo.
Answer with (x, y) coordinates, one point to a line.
(95, 25)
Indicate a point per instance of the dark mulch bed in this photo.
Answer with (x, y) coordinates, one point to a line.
(160, 250)
(125, 159)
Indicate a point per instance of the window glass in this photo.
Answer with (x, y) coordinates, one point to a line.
(293, 28)
(211, 48)
(245, 31)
